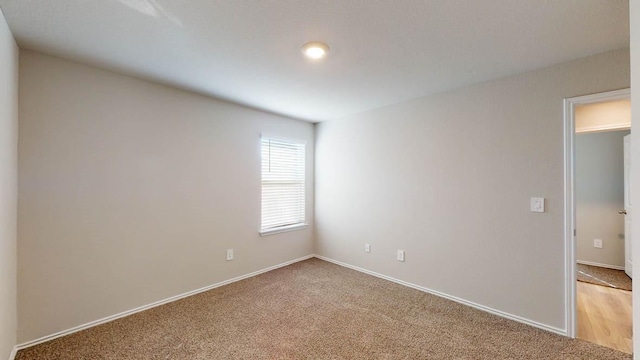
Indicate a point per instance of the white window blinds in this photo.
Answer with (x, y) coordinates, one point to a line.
(283, 188)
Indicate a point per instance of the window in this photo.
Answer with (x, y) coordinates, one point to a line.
(283, 185)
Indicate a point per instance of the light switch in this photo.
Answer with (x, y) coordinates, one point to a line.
(537, 204)
(597, 243)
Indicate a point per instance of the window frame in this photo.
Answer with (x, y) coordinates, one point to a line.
(291, 227)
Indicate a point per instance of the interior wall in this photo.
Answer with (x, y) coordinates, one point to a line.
(130, 192)
(448, 178)
(634, 22)
(603, 116)
(599, 191)
(8, 187)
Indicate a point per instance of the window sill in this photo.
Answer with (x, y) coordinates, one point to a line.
(282, 229)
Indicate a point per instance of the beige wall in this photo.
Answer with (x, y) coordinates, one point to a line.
(130, 192)
(610, 115)
(8, 186)
(634, 19)
(448, 178)
(599, 191)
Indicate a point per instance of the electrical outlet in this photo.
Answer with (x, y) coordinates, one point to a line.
(229, 254)
(597, 243)
(367, 248)
(400, 255)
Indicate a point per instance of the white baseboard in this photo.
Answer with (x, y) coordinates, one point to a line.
(503, 314)
(615, 267)
(149, 306)
(13, 353)
(242, 277)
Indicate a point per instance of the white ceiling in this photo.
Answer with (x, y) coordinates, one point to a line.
(382, 51)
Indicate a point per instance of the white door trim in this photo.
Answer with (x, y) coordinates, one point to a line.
(569, 196)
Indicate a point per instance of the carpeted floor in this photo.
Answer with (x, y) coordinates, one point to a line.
(315, 310)
(616, 279)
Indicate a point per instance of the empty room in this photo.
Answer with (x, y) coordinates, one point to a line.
(342, 179)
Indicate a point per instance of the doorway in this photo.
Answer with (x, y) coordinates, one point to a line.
(597, 246)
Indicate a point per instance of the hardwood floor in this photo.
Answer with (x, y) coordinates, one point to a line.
(604, 316)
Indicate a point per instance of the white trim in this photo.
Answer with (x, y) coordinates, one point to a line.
(602, 128)
(569, 221)
(152, 305)
(601, 97)
(450, 297)
(12, 356)
(615, 267)
(569, 198)
(282, 229)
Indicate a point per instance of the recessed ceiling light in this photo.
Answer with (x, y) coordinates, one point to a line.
(315, 50)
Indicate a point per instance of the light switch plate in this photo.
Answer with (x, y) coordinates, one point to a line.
(367, 248)
(400, 256)
(597, 243)
(537, 204)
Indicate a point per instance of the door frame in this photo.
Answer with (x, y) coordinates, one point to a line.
(569, 196)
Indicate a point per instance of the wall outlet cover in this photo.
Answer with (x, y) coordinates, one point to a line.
(229, 254)
(400, 255)
(597, 243)
(367, 248)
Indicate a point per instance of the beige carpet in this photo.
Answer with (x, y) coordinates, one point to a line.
(616, 279)
(315, 310)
